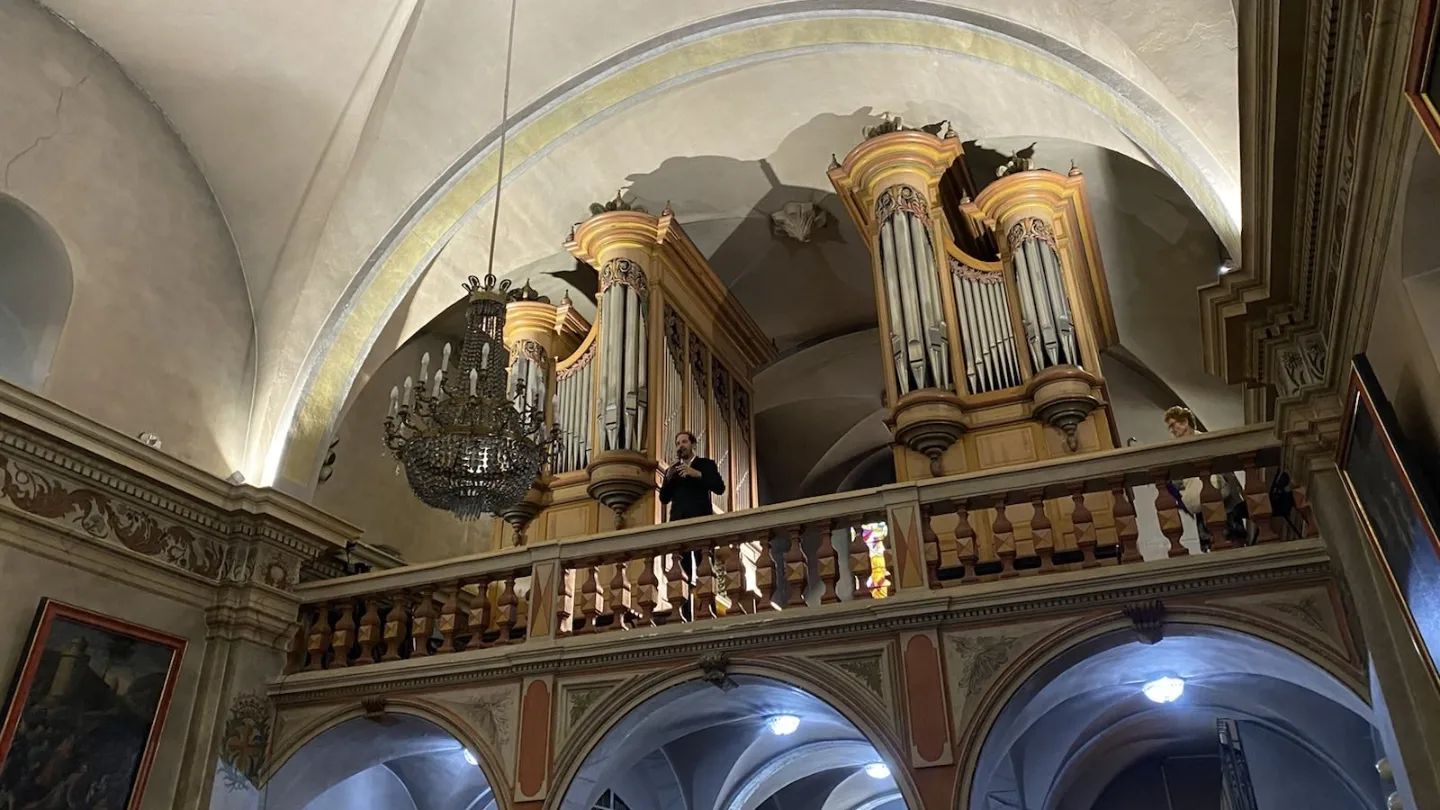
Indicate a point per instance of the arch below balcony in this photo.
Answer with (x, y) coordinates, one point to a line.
(409, 750)
(1073, 705)
(656, 726)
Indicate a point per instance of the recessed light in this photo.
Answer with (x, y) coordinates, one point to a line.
(470, 758)
(1166, 689)
(877, 770)
(782, 724)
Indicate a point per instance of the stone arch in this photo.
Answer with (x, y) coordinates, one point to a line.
(864, 715)
(489, 761)
(35, 273)
(1330, 675)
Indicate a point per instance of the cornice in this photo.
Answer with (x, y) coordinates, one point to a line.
(1268, 566)
(76, 475)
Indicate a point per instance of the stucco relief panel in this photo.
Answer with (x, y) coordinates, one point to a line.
(976, 659)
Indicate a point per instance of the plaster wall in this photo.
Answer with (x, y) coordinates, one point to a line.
(30, 571)
(159, 333)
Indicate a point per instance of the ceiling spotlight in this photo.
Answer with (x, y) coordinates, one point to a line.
(782, 724)
(1228, 266)
(470, 758)
(1167, 689)
(877, 770)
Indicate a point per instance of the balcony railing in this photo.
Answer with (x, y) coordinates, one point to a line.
(1021, 522)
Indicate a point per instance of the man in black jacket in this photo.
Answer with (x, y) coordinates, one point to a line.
(689, 483)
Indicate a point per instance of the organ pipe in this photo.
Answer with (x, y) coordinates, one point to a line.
(1044, 303)
(624, 347)
(907, 266)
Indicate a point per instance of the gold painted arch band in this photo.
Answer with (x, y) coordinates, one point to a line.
(323, 382)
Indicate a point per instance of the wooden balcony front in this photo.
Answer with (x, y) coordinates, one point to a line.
(1017, 528)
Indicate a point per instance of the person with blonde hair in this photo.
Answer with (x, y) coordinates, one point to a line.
(1181, 423)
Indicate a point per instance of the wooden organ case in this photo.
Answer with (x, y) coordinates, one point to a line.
(994, 309)
(670, 350)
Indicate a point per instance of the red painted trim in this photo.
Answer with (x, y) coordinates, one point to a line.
(1424, 44)
(45, 617)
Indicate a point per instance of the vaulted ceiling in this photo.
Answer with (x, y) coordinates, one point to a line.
(351, 146)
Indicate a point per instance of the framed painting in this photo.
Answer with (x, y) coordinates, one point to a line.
(1422, 79)
(85, 711)
(1396, 504)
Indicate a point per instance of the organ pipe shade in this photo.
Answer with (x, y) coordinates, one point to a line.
(912, 293)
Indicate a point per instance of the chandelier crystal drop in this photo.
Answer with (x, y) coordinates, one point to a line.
(472, 440)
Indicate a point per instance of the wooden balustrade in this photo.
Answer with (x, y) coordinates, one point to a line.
(1033, 520)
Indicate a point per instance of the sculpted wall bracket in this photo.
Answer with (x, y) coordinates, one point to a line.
(1148, 620)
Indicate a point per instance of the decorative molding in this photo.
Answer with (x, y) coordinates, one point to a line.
(714, 668)
(623, 271)
(221, 532)
(798, 220)
(898, 198)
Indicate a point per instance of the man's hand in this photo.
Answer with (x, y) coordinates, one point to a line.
(690, 472)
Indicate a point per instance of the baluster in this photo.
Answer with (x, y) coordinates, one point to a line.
(828, 563)
(932, 547)
(1004, 532)
(479, 618)
(860, 563)
(619, 595)
(742, 599)
(590, 598)
(1127, 530)
(765, 573)
(343, 636)
(319, 642)
(422, 623)
(296, 654)
(1041, 533)
(368, 635)
(506, 610)
(647, 593)
(564, 601)
(797, 570)
(965, 540)
(396, 623)
(1257, 500)
(705, 585)
(1084, 530)
(449, 612)
(1212, 508)
(1167, 513)
(677, 585)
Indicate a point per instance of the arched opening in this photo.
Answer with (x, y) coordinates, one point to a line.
(35, 291)
(758, 745)
(399, 762)
(1096, 728)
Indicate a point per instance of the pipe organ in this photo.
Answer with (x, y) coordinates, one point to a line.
(670, 350)
(991, 359)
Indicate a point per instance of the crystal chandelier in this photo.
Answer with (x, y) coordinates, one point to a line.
(472, 441)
